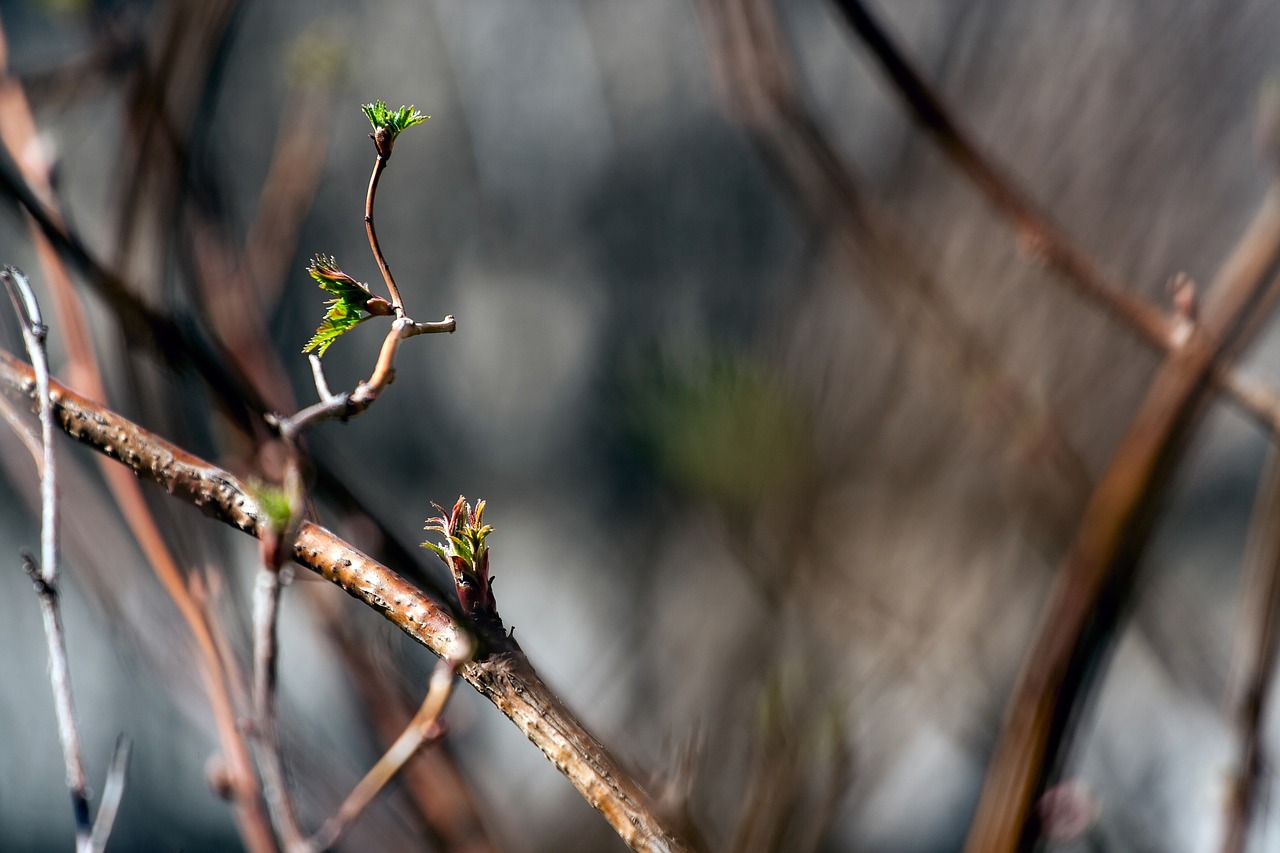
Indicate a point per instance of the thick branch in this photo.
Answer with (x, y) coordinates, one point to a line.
(1092, 586)
(503, 675)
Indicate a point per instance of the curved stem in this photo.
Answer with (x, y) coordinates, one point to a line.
(379, 165)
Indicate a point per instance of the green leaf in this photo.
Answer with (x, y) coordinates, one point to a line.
(274, 503)
(350, 308)
(395, 121)
(464, 537)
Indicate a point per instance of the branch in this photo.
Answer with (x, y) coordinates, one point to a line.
(503, 674)
(423, 728)
(755, 70)
(379, 166)
(1035, 228)
(1260, 619)
(275, 789)
(45, 576)
(112, 793)
(1092, 587)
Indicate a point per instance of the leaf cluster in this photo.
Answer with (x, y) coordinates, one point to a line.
(463, 549)
(352, 305)
(394, 122)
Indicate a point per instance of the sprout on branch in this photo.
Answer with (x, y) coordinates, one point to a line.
(353, 303)
(388, 124)
(465, 553)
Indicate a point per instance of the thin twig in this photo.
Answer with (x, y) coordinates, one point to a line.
(379, 166)
(423, 728)
(1260, 618)
(45, 576)
(275, 789)
(112, 793)
(351, 403)
(501, 673)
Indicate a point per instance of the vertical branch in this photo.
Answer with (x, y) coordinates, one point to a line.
(266, 619)
(53, 240)
(379, 166)
(45, 576)
(1261, 621)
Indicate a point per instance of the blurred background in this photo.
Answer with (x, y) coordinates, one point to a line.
(782, 431)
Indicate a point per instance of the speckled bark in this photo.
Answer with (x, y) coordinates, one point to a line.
(503, 675)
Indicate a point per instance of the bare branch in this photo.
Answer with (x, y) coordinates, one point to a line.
(112, 793)
(501, 672)
(45, 576)
(1035, 228)
(423, 728)
(1089, 592)
(1260, 618)
(351, 403)
(275, 789)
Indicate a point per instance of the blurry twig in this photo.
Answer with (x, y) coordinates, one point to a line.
(424, 726)
(1260, 619)
(45, 575)
(500, 672)
(1035, 228)
(266, 609)
(112, 793)
(756, 71)
(1091, 589)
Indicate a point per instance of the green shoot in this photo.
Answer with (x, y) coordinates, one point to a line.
(392, 121)
(352, 306)
(465, 552)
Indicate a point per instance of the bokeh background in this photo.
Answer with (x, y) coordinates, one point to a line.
(765, 452)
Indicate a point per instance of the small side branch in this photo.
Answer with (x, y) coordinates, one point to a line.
(351, 403)
(424, 728)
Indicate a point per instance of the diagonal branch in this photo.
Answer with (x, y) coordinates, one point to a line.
(422, 729)
(1092, 587)
(502, 674)
(1036, 228)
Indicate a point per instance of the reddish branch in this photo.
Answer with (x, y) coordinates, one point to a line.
(1035, 228)
(500, 671)
(1092, 586)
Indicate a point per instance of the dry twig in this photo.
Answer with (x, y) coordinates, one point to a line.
(45, 575)
(423, 728)
(1260, 605)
